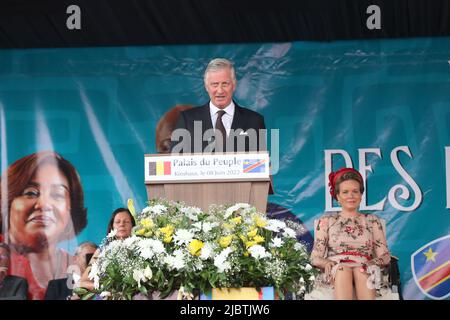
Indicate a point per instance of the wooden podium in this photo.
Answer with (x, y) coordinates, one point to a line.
(204, 179)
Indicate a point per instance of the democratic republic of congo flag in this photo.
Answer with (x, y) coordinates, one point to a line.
(431, 268)
(254, 165)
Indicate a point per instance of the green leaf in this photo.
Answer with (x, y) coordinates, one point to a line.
(88, 296)
(143, 290)
(80, 291)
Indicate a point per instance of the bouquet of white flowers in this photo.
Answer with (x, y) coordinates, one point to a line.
(176, 247)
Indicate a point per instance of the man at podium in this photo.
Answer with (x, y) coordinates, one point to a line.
(221, 125)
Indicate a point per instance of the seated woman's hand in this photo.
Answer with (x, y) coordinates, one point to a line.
(328, 266)
(74, 297)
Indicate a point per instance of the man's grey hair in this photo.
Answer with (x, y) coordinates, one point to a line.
(220, 64)
(85, 244)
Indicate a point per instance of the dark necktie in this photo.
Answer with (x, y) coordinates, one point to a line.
(220, 127)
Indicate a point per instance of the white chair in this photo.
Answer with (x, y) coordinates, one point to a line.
(390, 276)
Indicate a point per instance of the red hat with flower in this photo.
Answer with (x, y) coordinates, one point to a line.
(334, 176)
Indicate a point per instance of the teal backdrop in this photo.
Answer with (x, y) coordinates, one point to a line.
(98, 108)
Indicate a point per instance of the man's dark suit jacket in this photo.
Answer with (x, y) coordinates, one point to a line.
(14, 288)
(243, 119)
(57, 290)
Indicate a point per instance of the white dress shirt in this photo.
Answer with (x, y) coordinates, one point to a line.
(227, 118)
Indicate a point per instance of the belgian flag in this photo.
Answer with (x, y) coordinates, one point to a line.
(159, 168)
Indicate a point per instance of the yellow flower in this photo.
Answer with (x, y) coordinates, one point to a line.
(147, 223)
(148, 234)
(252, 233)
(228, 226)
(225, 241)
(167, 239)
(250, 244)
(258, 239)
(243, 238)
(140, 232)
(167, 230)
(260, 222)
(246, 254)
(195, 247)
(236, 220)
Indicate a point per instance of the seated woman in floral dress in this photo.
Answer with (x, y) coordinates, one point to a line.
(350, 247)
(122, 222)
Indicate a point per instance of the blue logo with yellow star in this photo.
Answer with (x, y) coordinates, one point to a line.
(431, 268)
